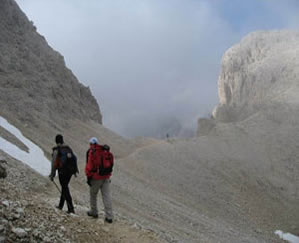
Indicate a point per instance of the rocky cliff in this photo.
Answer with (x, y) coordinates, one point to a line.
(35, 84)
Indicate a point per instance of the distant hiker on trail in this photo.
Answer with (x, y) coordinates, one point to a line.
(98, 171)
(65, 161)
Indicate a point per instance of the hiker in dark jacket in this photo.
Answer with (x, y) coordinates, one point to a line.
(64, 172)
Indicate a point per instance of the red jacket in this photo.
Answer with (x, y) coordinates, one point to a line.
(93, 163)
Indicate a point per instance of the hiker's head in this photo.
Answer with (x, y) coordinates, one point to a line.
(93, 140)
(59, 139)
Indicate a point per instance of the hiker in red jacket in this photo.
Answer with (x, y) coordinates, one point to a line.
(98, 171)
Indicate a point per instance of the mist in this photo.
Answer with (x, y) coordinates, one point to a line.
(153, 65)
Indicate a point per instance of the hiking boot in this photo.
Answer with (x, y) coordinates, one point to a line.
(58, 207)
(109, 221)
(94, 215)
(71, 211)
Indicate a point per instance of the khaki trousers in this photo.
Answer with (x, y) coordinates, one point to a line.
(104, 185)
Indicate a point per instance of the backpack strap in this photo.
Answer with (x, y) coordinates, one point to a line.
(56, 162)
(102, 162)
(87, 154)
(93, 152)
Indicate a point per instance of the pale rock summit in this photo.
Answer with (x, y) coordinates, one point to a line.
(260, 71)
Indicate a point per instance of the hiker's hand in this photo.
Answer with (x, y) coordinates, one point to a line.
(89, 181)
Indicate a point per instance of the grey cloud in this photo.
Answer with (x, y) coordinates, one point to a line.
(147, 62)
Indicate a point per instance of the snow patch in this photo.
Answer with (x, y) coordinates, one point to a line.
(35, 158)
(287, 236)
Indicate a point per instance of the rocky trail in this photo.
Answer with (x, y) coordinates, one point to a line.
(29, 215)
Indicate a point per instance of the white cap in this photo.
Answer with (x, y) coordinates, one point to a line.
(93, 140)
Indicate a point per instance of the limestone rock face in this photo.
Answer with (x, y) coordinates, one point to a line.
(261, 70)
(35, 83)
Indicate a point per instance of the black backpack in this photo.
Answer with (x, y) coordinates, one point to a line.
(107, 161)
(67, 160)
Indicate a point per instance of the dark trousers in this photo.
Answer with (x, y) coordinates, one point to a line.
(64, 179)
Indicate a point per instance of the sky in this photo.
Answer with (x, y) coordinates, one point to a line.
(153, 65)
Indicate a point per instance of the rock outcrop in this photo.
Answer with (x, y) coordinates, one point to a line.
(3, 172)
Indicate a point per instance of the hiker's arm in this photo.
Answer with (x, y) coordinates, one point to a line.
(87, 153)
(89, 167)
(53, 169)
